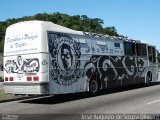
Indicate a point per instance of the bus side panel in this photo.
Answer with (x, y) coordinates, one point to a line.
(116, 71)
(141, 69)
(67, 59)
(154, 70)
(75, 60)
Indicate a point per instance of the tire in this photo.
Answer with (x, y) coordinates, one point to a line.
(148, 79)
(93, 87)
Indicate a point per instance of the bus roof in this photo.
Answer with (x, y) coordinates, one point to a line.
(49, 26)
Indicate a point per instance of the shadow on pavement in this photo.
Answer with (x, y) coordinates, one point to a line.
(55, 99)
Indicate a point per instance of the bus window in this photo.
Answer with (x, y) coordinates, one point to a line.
(152, 54)
(117, 45)
(138, 49)
(141, 50)
(129, 48)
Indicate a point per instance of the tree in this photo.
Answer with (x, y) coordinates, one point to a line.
(158, 57)
(110, 31)
(76, 22)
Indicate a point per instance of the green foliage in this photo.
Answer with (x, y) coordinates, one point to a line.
(158, 57)
(76, 22)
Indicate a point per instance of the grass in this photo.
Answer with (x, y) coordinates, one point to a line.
(4, 96)
(1, 58)
(1, 79)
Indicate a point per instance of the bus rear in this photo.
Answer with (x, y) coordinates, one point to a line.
(26, 59)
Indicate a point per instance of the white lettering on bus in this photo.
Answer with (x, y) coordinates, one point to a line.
(21, 37)
(20, 45)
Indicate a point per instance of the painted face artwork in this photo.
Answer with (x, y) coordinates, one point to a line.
(65, 63)
(66, 56)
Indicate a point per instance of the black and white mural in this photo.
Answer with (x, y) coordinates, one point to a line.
(65, 51)
(20, 65)
(65, 54)
(114, 70)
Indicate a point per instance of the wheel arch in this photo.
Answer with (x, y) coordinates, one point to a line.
(98, 80)
(149, 73)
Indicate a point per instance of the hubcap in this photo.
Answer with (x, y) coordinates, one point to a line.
(93, 86)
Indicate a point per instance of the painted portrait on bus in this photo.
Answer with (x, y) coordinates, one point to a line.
(66, 56)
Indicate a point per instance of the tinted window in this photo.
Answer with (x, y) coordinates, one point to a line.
(138, 49)
(116, 44)
(129, 48)
(152, 54)
(141, 50)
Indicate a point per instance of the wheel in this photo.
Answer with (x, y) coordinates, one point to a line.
(93, 87)
(148, 79)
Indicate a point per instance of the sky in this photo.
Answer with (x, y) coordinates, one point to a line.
(136, 19)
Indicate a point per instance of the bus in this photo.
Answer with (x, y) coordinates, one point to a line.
(43, 58)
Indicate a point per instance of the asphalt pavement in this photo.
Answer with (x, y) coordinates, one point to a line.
(126, 100)
(132, 100)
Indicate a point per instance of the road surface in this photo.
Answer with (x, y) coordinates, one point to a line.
(133, 100)
(130, 100)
